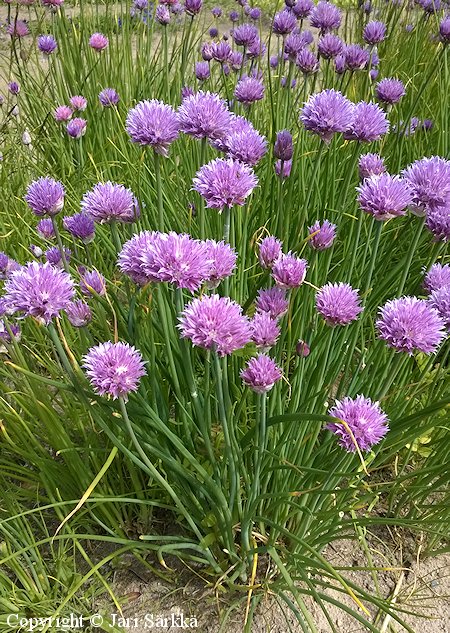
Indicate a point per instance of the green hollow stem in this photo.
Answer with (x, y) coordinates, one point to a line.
(151, 468)
(376, 244)
(226, 431)
(261, 441)
(166, 64)
(115, 236)
(411, 253)
(159, 192)
(60, 244)
(226, 224)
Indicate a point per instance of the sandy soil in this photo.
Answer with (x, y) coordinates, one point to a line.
(421, 586)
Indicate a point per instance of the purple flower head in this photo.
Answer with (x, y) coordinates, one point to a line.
(216, 11)
(287, 166)
(438, 223)
(109, 202)
(384, 196)
(440, 301)
(269, 251)
(339, 64)
(92, 283)
(177, 8)
(265, 331)
(80, 226)
(373, 74)
(202, 71)
(302, 349)
(53, 256)
(430, 6)
(153, 123)
(444, 29)
(38, 290)
(98, 42)
(437, 277)
(256, 49)
(356, 57)
(371, 165)
(137, 253)
(374, 32)
(140, 5)
(322, 235)
(284, 22)
(327, 113)
(223, 262)
(369, 124)
(234, 16)
(255, 13)
(187, 91)
(427, 125)
(307, 61)
(390, 90)
(179, 260)
(221, 51)
(236, 59)
(62, 113)
(114, 369)
(45, 196)
(215, 322)
(283, 148)
(78, 313)
(78, 102)
(409, 324)
(261, 373)
(206, 51)
(162, 14)
(274, 61)
(430, 182)
(18, 29)
(289, 271)
(193, 7)
(244, 34)
(224, 183)
(325, 16)
(365, 419)
(248, 146)
(248, 90)
(5, 335)
(76, 128)
(108, 98)
(45, 229)
(302, 9)
(52, 3)
(293, 44)
(330, 46)
(339, 304)
(47, 44)
(14, 87)
(204, 115)
(4, 261)
(273, 301)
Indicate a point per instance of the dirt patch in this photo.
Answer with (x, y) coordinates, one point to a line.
(421, 588)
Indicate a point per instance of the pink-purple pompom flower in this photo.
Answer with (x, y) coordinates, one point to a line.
(410, 325)
(261, 374)
(114, 369)
(365, 419)
(215, 322)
